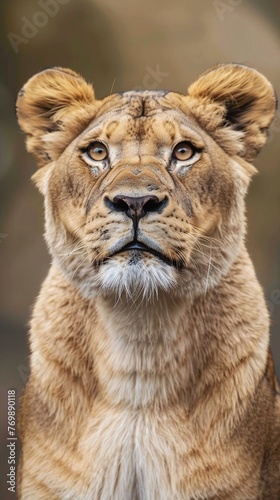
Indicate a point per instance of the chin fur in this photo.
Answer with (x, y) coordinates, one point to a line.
(137, 279)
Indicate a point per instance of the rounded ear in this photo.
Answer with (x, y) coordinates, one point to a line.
(244, 100)
(52, 108)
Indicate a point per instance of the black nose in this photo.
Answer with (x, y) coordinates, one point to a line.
(136, 208)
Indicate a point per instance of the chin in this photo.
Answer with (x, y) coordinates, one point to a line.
(135, 277)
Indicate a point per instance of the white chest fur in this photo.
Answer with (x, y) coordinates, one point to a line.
(132, 455)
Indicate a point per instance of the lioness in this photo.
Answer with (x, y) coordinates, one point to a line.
(151, 377)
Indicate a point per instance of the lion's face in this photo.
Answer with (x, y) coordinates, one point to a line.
(142, 217)
(144, 190)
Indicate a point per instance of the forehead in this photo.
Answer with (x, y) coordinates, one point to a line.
(139, 115)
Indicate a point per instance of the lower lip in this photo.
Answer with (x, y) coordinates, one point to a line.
(164, 259)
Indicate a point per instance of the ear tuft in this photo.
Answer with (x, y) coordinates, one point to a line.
(55, 101)
(246, 100)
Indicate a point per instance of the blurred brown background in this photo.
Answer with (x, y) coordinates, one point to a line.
(121, 44)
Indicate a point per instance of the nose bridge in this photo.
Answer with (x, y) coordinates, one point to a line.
(138, 181)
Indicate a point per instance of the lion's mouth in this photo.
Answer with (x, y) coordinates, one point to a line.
(141, 247)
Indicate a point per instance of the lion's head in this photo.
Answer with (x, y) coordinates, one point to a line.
(144, 190)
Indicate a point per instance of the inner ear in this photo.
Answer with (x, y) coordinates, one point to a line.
(235, 111)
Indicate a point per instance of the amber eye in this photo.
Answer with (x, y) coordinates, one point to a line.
(97, 151)
(183, 151)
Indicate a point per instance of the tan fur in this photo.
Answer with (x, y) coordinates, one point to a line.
(150, 379)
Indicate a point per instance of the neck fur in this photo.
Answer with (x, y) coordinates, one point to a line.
(141, 352)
